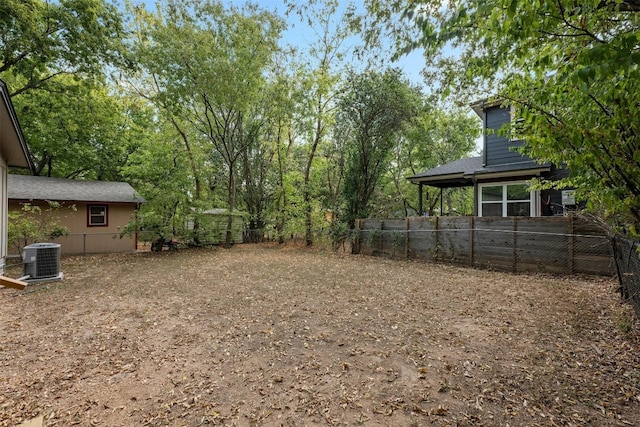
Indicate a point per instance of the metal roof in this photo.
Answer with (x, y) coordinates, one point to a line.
(25, 187)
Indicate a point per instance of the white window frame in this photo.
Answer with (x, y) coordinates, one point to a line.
(533, 197)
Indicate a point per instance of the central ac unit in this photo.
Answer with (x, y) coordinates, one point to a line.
(41, 261)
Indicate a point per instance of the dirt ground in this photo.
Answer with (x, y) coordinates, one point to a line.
(271, 335)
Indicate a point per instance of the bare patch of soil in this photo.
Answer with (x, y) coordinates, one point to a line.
(270, 335)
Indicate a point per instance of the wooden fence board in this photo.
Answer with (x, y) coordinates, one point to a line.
(421, 223)
(536, 267)
(591, 245)
(594, 265)
(549, 244)
(494, 262)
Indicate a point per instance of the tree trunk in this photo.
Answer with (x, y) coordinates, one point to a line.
(232, 201)
(196, 177)
(308, 220)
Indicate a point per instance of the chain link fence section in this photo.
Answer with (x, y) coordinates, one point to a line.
(627, 257)
(88, 243)
(564, 245)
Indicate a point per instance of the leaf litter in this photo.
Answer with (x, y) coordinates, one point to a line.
(284, 336)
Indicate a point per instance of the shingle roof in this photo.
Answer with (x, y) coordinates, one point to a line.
(462, 166)
(24, 187)
(460, 172)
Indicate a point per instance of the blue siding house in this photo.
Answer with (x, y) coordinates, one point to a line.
(501, 174)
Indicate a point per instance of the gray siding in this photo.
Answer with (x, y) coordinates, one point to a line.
(499, 149)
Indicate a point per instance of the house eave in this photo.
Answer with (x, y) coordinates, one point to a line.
(511, 173)
(479, 106)
(14, 148)
(427, 179)
(445, 181)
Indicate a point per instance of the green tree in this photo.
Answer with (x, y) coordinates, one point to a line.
(435, 138)
(256, 159)
(78, 129)
(209, 64)
(375, 107)
(570, 70)
(53, 56)
(158, 169)
(42, 40)
(35, 223)
(285, 94)
(325, 58)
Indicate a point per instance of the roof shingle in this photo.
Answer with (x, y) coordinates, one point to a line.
(25, 187)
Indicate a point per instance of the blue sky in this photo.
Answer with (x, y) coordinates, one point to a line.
(300, 35)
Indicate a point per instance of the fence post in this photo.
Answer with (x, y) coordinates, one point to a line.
(406, 238)
(356, 239)
(570, 245)
(381, 240)
(437, 230)
(471, 233)
(624, 292)
(515, 244)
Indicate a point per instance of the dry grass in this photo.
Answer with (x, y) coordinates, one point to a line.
(269, 335)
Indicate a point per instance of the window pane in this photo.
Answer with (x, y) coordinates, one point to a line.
(517, 192)
(97, 215)
(492, 209)
(97, 220)
(519, 209)
(492, 193)
(97, 210)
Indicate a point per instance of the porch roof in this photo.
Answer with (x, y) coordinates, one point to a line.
(454, 174)
(463, 172)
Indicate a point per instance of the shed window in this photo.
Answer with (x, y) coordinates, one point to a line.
(97, 215)
(506, 199)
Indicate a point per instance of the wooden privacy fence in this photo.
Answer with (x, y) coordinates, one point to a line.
(566, 245)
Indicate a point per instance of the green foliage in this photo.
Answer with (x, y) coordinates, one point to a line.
(76, 128)
(202, 108)
(374, 109)
(159, 171)
(34, 224)
(322, 64)
(208, 66)
(43, 40)
(54, 57)
(570, 69)
(624, 321)
(435, 137)
(339, 232)
(374, 236)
